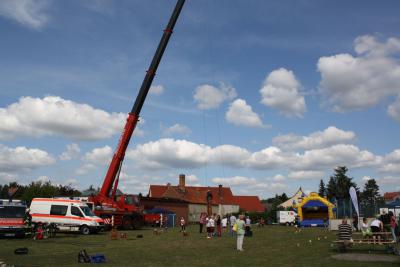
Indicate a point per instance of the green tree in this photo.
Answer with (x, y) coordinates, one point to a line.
(322, 189)
(339, 184)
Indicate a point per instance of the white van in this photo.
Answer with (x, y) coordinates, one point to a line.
(286, 217)
(67, 214)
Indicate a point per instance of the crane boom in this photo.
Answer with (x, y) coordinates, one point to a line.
(133, 117)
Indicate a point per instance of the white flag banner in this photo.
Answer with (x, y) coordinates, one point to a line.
(353, 195)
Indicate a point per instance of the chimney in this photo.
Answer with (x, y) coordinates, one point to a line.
(220, 190)
(182, 182)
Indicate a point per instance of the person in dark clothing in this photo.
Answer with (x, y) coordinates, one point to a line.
(355, 222)
(219, 227)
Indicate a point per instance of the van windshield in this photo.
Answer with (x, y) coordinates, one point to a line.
(87, 211)
(12, 212)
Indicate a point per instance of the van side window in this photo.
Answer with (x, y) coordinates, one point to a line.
(58, 210)
(75, 211)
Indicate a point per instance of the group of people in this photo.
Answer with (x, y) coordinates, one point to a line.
(216, 225)
(381, 223)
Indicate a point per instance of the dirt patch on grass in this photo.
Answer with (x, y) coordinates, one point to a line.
(365, 257)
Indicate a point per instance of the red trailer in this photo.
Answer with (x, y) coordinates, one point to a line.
(125, 209)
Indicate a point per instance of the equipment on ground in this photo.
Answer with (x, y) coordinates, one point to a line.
(125, 210)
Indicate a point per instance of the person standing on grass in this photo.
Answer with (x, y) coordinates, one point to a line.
(183, 224)
(247, 226)
(393, 225)
(232, 221)
(219, 227)
(202, 221)
(240, 232)
(224, 223)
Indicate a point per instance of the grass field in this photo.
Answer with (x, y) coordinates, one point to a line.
(270, 246)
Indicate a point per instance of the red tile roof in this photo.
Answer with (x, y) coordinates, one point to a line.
(193, 194)
(391, 196)
(249, 203)
(198, 195)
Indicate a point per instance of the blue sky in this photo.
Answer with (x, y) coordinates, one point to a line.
(262, 96)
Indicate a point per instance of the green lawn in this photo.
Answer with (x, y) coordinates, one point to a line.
(270, 246)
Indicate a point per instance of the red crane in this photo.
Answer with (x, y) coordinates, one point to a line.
(125, 209)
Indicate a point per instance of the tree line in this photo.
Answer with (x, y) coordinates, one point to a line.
(36, 189)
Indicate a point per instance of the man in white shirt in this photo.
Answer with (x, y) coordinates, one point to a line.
(224, 223)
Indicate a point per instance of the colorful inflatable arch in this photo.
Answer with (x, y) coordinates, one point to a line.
(314, 211)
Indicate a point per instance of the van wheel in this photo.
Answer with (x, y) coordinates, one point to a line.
(85, 230)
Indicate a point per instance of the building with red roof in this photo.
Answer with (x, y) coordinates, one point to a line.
(223, 201)
(391, 196)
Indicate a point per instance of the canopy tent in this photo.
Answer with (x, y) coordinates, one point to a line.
(394, 205)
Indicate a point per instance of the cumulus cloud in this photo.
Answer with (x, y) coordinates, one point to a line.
(208, 97)
(234, 181)
(156, 89)
(281, 91)
(72, 152)
(394, 110)
(30, 13)
(278, 178)
(100, 156)
(14, 160)
(337, 155)
(303, 175)
(320, 139)
(6, 177)
(178, 129)
(357, 82)
(366, 178)
(268, 158)
(241, 114)
(391, 162)
(53, 115)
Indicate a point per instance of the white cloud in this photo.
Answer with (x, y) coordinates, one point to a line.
(6, 177)
(328, 137)
(303, 175)
(172, 153)
(349, 83)
(209, 97)
(99, 156)
(53, 115)
(268, 158)
(156, 89)
(30, 13)
(14, 160)
(337, 155)
(241, 114)
(72, 152)
(177, 129)
(278, 178)
(234, 181)
(43, 179)
(391, 162)
(394, 110)
(229, 155)
(366, 178)
(281, 91)
(389, 180)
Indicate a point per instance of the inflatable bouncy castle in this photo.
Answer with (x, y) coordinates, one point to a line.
(314, 211)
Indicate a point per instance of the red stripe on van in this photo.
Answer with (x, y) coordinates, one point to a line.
(63, 217)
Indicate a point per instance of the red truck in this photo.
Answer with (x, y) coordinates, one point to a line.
(124, 210)
(12, 218)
